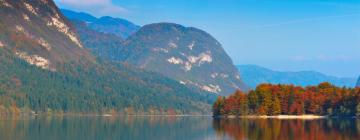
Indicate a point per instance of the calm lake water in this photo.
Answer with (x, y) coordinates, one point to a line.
(176, 128)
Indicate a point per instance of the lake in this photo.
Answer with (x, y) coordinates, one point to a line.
(175, 128)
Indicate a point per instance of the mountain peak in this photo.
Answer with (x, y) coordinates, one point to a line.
(187, 54)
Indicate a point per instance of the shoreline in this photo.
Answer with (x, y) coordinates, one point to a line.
(282, 117)
(101, 115)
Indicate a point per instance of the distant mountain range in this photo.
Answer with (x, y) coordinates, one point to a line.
(254, 75)
(117, 26)
(189, 55)
(358, 82)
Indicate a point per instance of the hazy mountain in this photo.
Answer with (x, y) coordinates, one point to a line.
(46, 68)
(254, 75)
(117, 26)
(78, 16)
(189, 55)
(104, 45)
(358, 82)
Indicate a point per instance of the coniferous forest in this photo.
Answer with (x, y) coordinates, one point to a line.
(268, 99)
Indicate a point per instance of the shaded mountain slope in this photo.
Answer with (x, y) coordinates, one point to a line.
(117, 26)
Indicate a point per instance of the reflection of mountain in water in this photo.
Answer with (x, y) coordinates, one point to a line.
(274, 129)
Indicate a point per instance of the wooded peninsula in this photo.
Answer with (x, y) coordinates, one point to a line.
(324, 99)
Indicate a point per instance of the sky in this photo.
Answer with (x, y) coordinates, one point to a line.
(285, 35)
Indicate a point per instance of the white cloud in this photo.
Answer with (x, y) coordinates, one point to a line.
(96, 7)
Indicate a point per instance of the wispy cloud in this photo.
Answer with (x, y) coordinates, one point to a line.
(305, 20)
(98, 7)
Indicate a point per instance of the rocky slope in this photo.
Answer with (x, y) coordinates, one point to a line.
(254, 75)
(189, 55)
(38, 33)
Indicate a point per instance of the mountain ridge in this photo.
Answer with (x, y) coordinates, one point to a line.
(254, 75)
(106, 24)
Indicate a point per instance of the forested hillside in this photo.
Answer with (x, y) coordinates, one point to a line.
(97, 89)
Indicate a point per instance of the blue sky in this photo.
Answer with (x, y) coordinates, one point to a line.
(287, 35)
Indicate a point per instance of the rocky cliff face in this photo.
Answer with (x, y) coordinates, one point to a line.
(38, 33)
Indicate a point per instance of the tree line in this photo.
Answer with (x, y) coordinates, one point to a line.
(270, 99)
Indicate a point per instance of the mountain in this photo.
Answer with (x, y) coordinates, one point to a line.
(79, 16)
(358, 82)
(254, 75)
(189, 55)
(117, 26)
(104, 45)
(40, 35)
(46, 68)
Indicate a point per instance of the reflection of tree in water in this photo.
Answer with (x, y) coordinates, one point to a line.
(275, 129)
(106, 128)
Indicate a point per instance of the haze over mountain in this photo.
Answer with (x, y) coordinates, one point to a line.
(188, 55)
(358, 82)
(254, 75)
(46, 68)
(117, 26)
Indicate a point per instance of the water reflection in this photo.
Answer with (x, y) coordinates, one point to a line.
(102, 128)
(274, 129)
(176, 128)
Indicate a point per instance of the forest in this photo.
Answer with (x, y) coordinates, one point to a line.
(267, 99)
(104, 88)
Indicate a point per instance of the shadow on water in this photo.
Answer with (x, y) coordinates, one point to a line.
(275, 129)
